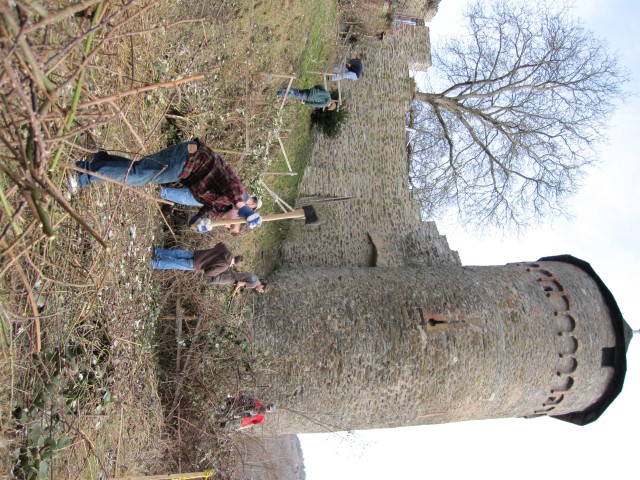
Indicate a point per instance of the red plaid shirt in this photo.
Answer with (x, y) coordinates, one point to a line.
(212, 182)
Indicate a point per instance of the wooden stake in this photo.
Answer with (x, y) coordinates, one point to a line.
(291, 174)
(286, 93)
(115, 463)
(286, 158)
(178, 334)
(171, 476)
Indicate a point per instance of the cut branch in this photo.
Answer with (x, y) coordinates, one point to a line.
(135, 91)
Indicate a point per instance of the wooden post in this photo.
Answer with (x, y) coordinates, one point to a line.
(286, 158)
(170, 476)
(286, 93)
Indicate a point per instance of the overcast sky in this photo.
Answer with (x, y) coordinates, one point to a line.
(605, 231)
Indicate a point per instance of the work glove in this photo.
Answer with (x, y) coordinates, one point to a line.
(253, 219)
(199, 224)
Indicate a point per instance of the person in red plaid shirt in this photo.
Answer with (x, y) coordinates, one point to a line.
(207, 176)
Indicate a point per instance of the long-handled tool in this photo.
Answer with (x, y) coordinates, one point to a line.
(306, 212)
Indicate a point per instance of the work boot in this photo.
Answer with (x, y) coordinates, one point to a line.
(166, 209)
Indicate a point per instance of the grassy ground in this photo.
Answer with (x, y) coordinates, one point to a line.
(92, 390)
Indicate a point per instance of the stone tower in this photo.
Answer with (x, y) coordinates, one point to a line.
(358, 348)
(372, 322)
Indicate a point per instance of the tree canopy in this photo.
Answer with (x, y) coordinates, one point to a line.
(518, 105)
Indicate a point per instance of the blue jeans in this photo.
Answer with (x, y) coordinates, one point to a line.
(295, 93)
(164, 166)
(172, 259)
(179, 195)
(344, 76)
(342, 73)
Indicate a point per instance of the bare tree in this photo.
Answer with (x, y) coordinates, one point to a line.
(527, 96)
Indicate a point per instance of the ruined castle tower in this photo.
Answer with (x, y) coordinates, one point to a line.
(372, 322)
(359, 348)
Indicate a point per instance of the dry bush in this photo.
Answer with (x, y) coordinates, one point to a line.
(78, 318)
(207, 355)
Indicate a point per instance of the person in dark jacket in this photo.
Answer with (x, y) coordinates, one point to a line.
(212, 262)
(351, 71)
(215, 263)
(239, 280)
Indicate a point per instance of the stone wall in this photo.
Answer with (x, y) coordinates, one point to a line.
(269, 458)
(426, 9)
(379, 224)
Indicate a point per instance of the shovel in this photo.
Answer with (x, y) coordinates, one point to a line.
(307, 212)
